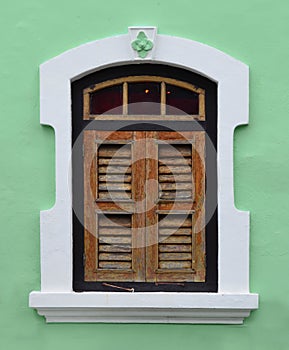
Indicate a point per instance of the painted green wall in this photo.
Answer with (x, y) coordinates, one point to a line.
(254, 31)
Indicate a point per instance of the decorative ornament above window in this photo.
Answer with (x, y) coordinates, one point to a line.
(142, 44)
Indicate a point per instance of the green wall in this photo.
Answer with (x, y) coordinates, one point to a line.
(253, 31)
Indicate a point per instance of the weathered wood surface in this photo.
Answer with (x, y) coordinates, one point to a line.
(114, 195)
(114, 161)
(114, 178)
(177, 240)
(173, 256)
(115, 220)
(138, 194)
(163, 169)
(107, 151)
(121, 265)
(175, 161)
(175, 221)
(175, 186)
(114, 186)
(114, 231)
(175, 178)
(151, 199)
(164, 248)
(114, 256)
(174, 151)
(176, 232)
(118, 240)
(114, 169)
(114, 248)
(175, 265)
(90, 193)
(147, 245)
(175, 195)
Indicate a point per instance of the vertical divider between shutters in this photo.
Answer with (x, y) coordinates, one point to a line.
(90, 171)
(138, 218)
(152, 192)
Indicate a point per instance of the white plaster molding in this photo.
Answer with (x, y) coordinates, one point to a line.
(232, 77)
(144, 307)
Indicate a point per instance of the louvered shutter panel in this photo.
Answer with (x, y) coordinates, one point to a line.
(114, 229)
(176, 233)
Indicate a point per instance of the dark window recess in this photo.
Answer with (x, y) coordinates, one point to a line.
(79, 124)
(144, 98)
(180, 101)
(107, 101)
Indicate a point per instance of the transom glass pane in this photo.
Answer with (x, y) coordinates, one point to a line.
(144, 98)
(181, 101)
(107, 101)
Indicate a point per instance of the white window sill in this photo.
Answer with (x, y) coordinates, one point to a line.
(144, 307)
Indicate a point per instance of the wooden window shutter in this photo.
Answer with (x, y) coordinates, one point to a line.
(144, 206)
(176, 225)
(114, 229)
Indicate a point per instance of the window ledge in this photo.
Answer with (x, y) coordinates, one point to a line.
(202, 308)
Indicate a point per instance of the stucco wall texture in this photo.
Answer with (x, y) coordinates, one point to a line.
(253, 31)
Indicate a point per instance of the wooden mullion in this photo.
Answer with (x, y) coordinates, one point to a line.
(202, 108)
(152, 193)
(125, 99)
(138, 218)
(163, 98)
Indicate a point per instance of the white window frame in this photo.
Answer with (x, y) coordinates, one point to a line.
(57, 301)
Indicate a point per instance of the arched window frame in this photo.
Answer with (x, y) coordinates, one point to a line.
(56, 300)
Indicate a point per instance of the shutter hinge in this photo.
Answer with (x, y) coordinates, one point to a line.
(83, 150)
(83, 259)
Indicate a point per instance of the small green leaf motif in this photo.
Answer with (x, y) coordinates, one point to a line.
(142, 45)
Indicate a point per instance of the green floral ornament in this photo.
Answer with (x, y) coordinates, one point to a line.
(142, 45)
